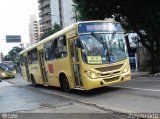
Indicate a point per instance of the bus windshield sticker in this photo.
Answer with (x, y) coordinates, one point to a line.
(94, 59)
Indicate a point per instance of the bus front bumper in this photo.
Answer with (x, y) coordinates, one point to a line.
(107, 81)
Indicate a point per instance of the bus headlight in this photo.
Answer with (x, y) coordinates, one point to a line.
(14, 72)
(91, 74)
(3, 74)
(126, 69)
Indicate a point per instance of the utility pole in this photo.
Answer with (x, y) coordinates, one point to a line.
(1, 57)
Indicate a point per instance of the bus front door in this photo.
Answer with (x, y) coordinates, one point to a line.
(75, 64)
(42, 67)
(26, 67)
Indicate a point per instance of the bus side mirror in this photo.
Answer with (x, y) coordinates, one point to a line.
(78, 43)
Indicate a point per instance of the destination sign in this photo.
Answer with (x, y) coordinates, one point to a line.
(99, 27)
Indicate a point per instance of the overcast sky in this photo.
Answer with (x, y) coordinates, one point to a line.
(14, 20)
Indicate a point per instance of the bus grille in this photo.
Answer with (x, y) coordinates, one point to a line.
(110, 74)
(109, 68)
(111, 79)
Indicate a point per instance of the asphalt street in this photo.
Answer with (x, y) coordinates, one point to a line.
(140, 95)
(23, 101)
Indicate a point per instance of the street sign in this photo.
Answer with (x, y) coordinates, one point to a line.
(13, 38)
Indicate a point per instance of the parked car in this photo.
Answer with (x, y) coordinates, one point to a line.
(6, 72)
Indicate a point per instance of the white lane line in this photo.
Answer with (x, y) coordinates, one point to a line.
(145, 89)
(145, 80)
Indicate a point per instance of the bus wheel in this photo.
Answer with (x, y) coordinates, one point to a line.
(33, 81)
(64, 84)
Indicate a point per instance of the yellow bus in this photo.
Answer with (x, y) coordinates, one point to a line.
(84, 56)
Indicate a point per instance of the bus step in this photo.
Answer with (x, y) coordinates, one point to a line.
(45, 83)
(79, 88)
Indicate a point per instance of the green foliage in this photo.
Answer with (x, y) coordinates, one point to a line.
(13, 55)
(140, 16)
(56, 27)
(94, 9)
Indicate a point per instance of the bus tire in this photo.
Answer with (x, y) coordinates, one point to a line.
(64, 84)
(33, 81)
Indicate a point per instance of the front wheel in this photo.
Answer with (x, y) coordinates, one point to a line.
(65, 85)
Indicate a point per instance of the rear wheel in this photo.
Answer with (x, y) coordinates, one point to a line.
(33, 81)
(0, 78)
(64, 84)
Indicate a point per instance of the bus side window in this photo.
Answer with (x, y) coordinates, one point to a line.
(29, 57)
(49, 51)
(22, 60)
(57, 55)
(34, 56)
(60, 47)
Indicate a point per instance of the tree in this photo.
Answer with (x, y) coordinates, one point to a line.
(56, 27)
(140, 16)
(93, 9)
(12, 54)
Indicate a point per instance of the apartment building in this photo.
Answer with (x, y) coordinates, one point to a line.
(55, 11)
(34, 30)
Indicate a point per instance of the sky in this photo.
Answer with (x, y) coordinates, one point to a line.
(14, 20)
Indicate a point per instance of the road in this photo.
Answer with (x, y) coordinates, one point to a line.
(140, 95)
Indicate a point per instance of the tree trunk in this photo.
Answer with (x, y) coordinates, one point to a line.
(155, 63)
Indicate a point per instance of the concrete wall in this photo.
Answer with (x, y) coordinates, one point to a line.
(55, 12)
(67, 11)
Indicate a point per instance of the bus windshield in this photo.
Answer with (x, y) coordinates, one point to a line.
(103, 48)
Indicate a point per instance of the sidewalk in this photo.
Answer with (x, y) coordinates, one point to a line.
(144, 74)
(18, 80)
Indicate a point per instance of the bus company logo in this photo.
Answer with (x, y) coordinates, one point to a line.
(4, 116)
(111, 73)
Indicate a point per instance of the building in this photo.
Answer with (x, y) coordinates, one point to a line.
(63, 12)
(55, 11)
(34, 30)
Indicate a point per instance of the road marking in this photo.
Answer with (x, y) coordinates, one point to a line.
(153, 90)
(145, 80)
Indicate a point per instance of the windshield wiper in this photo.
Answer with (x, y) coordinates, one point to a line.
(100, 40)
(112, 37)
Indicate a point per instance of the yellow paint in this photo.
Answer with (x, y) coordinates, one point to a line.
(66, 66)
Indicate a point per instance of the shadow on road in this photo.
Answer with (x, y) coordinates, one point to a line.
(90, 93)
